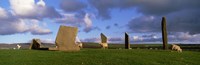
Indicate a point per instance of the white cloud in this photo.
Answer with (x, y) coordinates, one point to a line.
(28, 9)
(47, 41)
(3, 13)
(137, 38)
(13, 25)
(87, 20)
(70, 20)
(23, 7)
(41, 3)
(36, 29)
(77, 39)
(77, 19)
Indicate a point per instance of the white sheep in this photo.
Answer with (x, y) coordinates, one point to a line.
(176, 47)
(80, 45)
(104, 45)
(78, 42)
(18, 46)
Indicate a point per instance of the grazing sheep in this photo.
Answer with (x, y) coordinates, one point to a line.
(176, 47)
(104, 45)
(18, 46)
(80, 45)
(78, 42)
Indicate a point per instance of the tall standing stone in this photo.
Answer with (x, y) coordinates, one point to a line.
(36, 43)
(127, 43)
(103, 38)
(164, 33)
(65, 40)
(103, 43)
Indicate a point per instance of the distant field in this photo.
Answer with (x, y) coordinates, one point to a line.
(191, 47)
(99, 57)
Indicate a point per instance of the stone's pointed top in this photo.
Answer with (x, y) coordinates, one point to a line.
(163, 19)
(126, 33)
(127, 42)
(103, 38)
(36, 43)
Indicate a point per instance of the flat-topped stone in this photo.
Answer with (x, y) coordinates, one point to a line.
(65, 40)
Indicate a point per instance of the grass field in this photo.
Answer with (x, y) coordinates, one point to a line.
(99, 57)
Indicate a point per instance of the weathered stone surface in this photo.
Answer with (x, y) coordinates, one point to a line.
(164, 33)
(103, 43)
(36, 43)
(65, 40)
(127, 43)
(103, 38)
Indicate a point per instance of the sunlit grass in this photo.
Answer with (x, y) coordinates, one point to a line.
(99, 57)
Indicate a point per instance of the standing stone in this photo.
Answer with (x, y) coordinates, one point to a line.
(103, 43)
(103, 38)
(36, 43)
(164, 33)
(65, 40)
(127, 43)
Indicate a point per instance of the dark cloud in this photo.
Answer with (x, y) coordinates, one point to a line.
(104, 7)
(150, 7)
(182, 15)
(90, 29)
(184, 21)
(115, 39)
(144, 24)
(72, 5)
(181, 21)
(49, 12)
(149, 36)
(116, 25)
(91, 40)
(163, 7)
(108, 27)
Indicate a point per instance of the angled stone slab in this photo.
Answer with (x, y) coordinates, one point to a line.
(103, 38)
(36, 43)
(103, 43)
(65, 40)
(127, 42)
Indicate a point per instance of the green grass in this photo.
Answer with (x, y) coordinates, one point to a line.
(99, 57)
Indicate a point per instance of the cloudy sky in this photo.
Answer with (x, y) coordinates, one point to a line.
(23, 20)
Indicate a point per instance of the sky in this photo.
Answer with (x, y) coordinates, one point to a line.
(23, 20)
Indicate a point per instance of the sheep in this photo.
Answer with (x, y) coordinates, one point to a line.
(78, 42)
(176, 47)
(18, 46)
(104, 45)
(80, 45)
